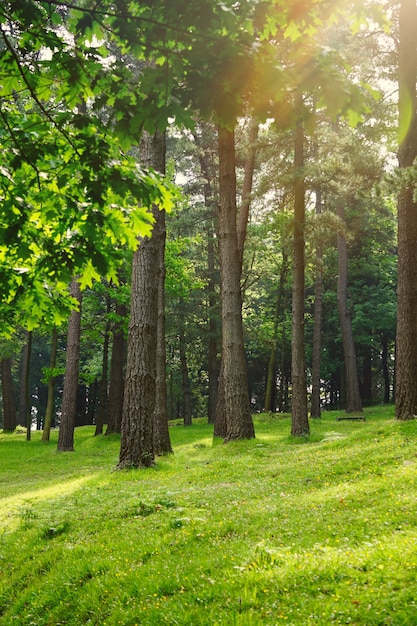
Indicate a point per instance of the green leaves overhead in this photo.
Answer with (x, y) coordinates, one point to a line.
(80, 81)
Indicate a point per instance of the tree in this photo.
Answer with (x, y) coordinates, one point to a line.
(69, 397)
(51, 387)
(137, 429)
(117, 362)
(406, 352)
(353, 397)
(238, 419)
(9, 407)
(299, 415)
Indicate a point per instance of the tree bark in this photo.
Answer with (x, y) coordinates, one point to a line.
(299, 416)
(239, 423)
(406, 350)
(51, 387)
(137, 430)
(116, 384)
(9, 407)
(69, 397)
(353, 396)
(162, 442)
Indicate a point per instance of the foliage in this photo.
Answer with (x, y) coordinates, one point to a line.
(268, 531)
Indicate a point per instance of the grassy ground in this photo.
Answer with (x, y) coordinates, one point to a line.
(269, 531)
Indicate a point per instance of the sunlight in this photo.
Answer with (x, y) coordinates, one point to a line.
(11, 506)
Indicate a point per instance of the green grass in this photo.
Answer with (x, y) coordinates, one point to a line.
(269, 531)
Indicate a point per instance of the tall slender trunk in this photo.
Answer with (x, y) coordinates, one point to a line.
(51, 387)
(272, 363)
(69, 397)
(299, 416)
(406, 341)
(385, 368)
(9, 407)
(137, 430)
(116, 384)
(162, 442)
(213, 328)
(353, 396)
(103, 386)
(239, 423)
(186, 388)
(25, 357)
(318, 314)
(207, 166)
(28, 403)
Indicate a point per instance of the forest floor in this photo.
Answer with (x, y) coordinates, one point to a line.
(269, 531)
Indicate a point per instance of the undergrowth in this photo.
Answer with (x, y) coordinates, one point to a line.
(267, 531)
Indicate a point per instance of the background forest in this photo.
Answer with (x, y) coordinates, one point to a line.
(269, 127)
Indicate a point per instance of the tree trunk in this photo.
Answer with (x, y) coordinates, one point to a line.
(213, 324)
(137, 440)
(207, 167)
(162, 442)
(299, 416)
(220, 429)
(385, 369)
(243, 216)
(353, 397)
(103, 388)
(25, 357)
(272, 363)
(28, 403)
(318, 314)
(116, 384)
(239, 423)
(9, 407)
(69, 396)
(186, 388)
(51, 387)
(366, 391)
(406, 350)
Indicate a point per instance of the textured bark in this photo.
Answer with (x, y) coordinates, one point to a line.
(137, 432)
(116, 384)
(162, 442)
(51, 388)
(9, 407)
(69, 396)
(239, 423)
(406, 352)
(353, 396)
(299, 416)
